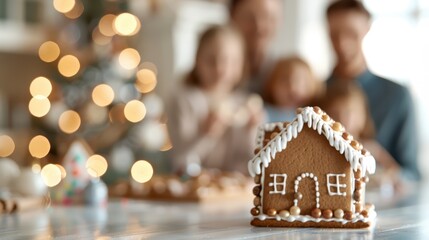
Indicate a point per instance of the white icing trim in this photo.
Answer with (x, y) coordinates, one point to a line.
(274, 184)
(306, 218)
(316, 185)
(266, 128)
(337, 185)
(265, 155)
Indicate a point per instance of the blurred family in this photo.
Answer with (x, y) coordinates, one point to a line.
(214, 114)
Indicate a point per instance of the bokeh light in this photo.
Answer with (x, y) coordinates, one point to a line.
(99, 38)
(40, 86)
(63, 171)
(105, 25)
(135, 111)
(69, 121)
(51, 175)
(149, 65)
(7, 146)
(103, 95)
(142, 171)
(39, 106)
(76, 11)
(68, 66)
(36, 168)
(39, 146)
(96, 165)
(146, 80)
(49, 51)
(64, 6)
(129, 58)
(126, 24)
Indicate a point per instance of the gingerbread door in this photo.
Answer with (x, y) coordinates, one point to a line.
(306, 192)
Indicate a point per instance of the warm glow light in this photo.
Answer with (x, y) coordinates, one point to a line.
(149, 65)
(69, 122)
(134, 111)
(96, 165)
(126, 24)
(129, 58)
(68, 66)
(141, 171)
(64, 6)
(99, 38)
(146, 80)
(39, 106)
(51, 175)
(36, 168)
(76, 11)
(7, 146)
(39, 146)
(40, 86)
(105, 25)
(49, 51)
(103, 95)
(63, 171)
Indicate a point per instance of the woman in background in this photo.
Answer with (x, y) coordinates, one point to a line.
(290, 85)
(211, 124)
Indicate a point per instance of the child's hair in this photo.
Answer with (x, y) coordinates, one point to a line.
(344, 94)
(287, 64)
(212, 32)
(347, 5)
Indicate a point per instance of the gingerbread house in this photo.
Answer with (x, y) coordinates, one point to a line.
(310, 173)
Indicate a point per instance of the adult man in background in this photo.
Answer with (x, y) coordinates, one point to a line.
(257, 20)
(390, 104)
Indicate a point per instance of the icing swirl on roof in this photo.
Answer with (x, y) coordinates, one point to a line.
(323, 124)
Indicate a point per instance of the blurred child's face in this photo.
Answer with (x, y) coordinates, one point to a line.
(220, 63)
(293, 88)
(351, 113)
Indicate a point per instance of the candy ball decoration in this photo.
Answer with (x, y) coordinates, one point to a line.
(29, 184)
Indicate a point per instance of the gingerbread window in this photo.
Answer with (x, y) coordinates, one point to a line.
(335, 187)
(278, 183)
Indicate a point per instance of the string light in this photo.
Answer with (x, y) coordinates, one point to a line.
(64, 6)
(7, 146)
(134, 111)
(68, 66)
(39, 146)
(129, 58)
(69, 121)
(76, 11)
(40, 86)
(142, 171)
(146, 80)
(96, 165)
(51, 175)
(105, 25)
(126, 24)
(103, 95)
(63, 171)
(49, 51)
(39, 106)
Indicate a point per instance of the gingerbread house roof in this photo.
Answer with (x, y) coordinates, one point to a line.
(319, 121)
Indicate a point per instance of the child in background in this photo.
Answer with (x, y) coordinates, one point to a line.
(348, 105)
(212, 125)
(290, 85)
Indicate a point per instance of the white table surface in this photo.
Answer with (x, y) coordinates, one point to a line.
(406, 218)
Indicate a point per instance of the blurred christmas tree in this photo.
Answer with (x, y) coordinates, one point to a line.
(98, 92)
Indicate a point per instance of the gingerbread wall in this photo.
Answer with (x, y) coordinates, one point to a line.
(308, 153)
